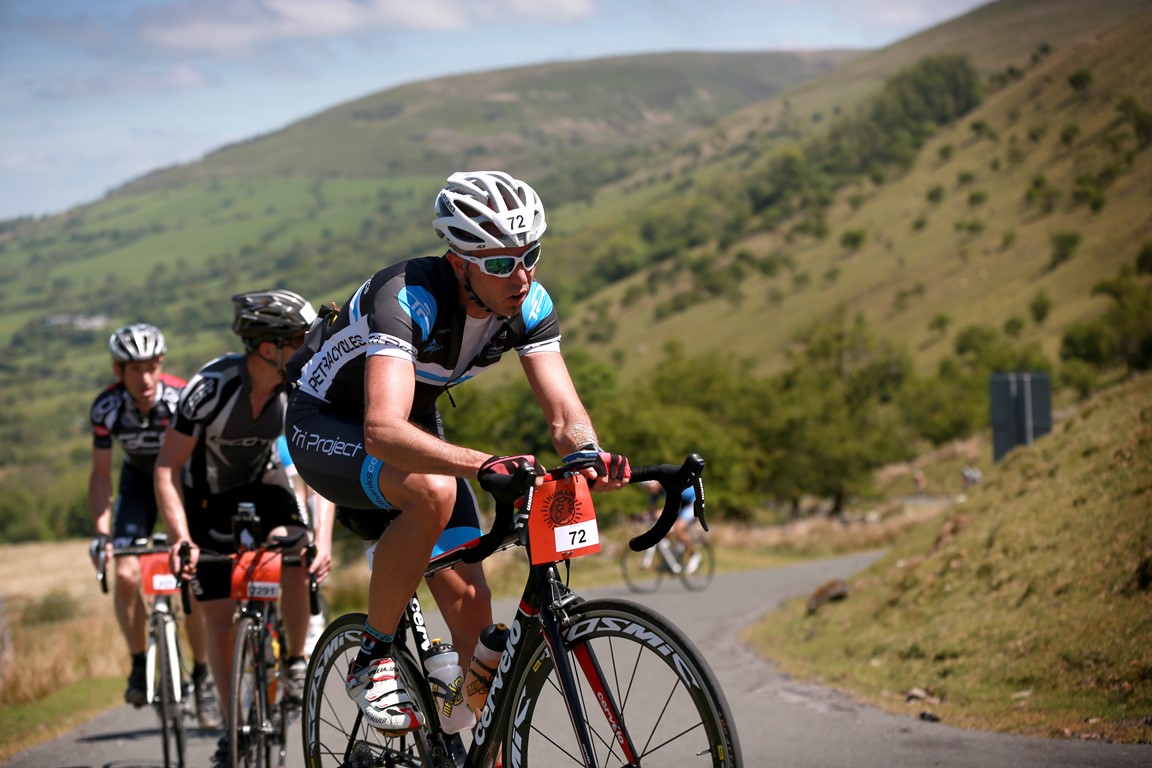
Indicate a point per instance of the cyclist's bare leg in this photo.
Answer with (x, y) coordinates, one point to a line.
(405, 547)
(217, 615)
(680, 533)
(130, 611)
(294, 606)
(197, 636)
(465, 601)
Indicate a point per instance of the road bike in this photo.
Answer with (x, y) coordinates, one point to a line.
(596, 683)
(644, 571)
(167, 679)
(259, 712)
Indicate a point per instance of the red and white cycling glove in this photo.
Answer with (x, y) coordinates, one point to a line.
(507, 465)
(612, 466)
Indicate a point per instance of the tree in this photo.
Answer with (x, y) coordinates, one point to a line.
(1040, 306)
(1081, 81)
(1064, 245)
(835, 411)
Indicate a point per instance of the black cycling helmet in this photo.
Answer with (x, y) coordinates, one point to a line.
(136, 343)
(272, 315)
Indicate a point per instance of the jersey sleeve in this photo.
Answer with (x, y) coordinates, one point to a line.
(102, 416)
(198, 401)
(541, 323)
(404, 311)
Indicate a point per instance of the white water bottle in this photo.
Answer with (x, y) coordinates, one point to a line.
(478, 679)
(443, 665)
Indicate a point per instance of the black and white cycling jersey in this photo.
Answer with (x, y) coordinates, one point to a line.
(238, 446)
(412, 310)
(115, 417)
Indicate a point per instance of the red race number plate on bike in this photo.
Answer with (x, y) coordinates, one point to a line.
(256, 576)
(563, 521)
(156, 578)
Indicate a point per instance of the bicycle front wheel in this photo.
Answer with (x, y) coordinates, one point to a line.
(642, 571)
(248, 726)
(335, 733)
(697, 569)
(647, 694)
(168, 677)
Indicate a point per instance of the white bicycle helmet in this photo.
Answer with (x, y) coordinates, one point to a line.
(271, 315)
(488, 209)
(136, 343)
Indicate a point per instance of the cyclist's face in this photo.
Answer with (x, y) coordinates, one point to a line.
(141, 378)
(502, 294)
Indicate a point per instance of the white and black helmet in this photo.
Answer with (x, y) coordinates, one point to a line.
(488, 209)
(271, 315)
(136, 343)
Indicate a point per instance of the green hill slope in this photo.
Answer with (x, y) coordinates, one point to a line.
(1027, 608)
(962, 234)
(318, 205)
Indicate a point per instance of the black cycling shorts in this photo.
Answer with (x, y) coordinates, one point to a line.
(329, 454)
(210, 526)
(134, 515)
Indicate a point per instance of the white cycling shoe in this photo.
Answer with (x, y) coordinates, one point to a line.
(382, 698)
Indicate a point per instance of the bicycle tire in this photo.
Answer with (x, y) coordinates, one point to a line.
(671, 706)
(167, 674)
(700, 578)
(248, 744)
(334, 733)
(642, 571)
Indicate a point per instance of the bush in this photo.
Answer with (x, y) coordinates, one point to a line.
(1064, 245)
(1091, 341)
(1040, 307)
(1144, 259)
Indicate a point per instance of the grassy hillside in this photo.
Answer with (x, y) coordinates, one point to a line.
(956, 235)
(1027, 608)
(316, 206)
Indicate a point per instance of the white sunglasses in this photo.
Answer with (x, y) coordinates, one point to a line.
(503, 266)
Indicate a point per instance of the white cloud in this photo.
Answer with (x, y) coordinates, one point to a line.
(238, 25)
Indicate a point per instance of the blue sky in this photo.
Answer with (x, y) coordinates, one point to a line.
(96, 92)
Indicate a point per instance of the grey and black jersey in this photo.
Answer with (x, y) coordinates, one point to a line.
(235, 447)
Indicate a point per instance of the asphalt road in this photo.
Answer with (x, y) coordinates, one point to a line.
(782, 723)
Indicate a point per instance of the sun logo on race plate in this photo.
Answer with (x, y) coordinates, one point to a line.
(563, 510)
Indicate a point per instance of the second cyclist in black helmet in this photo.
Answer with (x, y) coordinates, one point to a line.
(221, 450)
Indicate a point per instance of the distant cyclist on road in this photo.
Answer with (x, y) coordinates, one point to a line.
(221, 450)
(134, 412)
(365, 431)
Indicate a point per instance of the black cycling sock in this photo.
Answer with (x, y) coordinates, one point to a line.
(199, 672)
(139, 660)
(374, 644)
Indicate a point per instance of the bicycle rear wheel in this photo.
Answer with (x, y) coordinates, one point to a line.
(248, 726)
(699, 577)
(642, 571)
(167, 677)
(334, 731)
(670, 708)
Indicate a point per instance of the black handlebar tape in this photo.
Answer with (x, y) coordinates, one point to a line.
(674, 479)
(506, 490)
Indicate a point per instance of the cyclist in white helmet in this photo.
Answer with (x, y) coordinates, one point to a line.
(368, 380)
(134, 412)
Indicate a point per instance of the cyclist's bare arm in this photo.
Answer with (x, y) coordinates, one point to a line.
(390, 384)
(567, 418)
(323, 514)
(175, 451)
(100, 492)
